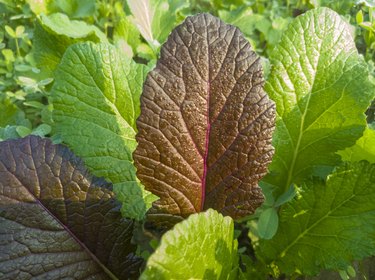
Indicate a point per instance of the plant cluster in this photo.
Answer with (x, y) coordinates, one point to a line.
(162, 139)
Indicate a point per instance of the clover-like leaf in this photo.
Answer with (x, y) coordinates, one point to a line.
(206, 124)
(56, 220)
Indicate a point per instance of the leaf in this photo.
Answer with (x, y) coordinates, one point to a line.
(125, 30)
(321, 90)
(205, 127)
(10, 113)
(201, 247)
(23, 131)
(364, 148)
(166, 17)
(155, 18)
(11, 118)
(76, 8)
(242, 17)
(96, 103)
(10, 31)
(56, 220)
(143, 15)
(40, 6)
(42, 130)
(286, 197)
(20, 31)
(55, 33)
(72, 8)
(268, 223)
(328, 226)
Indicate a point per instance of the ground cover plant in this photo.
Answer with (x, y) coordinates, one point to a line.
(146, 139)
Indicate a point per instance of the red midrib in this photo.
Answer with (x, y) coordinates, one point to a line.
(208, 129)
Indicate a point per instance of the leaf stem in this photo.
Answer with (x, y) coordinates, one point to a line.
(17, 47)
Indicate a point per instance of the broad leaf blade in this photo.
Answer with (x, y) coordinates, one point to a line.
(55, 33)
(205, 125)
(166, 17)
(96, 103)
(328, 226)
(201, 247)
(321, 90)
(56, 220)
(156, 18)
(143, 15)
(364, 148)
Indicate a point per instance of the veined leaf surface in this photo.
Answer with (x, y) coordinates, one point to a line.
(364, 148)
(205, 127)
(56, 220)
(201, 247)
(55, 33)
(96, 103)
(329, 224)
(321, 89)
(156, 18)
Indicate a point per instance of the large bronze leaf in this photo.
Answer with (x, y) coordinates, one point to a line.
(56, 220)
(206, 124)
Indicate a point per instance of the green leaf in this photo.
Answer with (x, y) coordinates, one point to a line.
(9, 56)
(243, 18)
(351, 271)
(76, 8)
(9, 113)
(127, 31)
(23, 67)
(34, 104)
(364, 148)
(10, 31)
(23, 131)
(286, 197)
(96, 103)
(11, 117)
(367, 25)
(72, 8)
(201, 247)
(359, 17)
(268, 223)
(20, 31)
(8, 132)
(42, 130)
(57, 221)
(40, 6)
(55, 33)
(166, 17)
(328, 226)
(321, 89)
(155, 19)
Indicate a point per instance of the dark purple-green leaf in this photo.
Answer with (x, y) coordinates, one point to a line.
(56, 220)
(206, 124)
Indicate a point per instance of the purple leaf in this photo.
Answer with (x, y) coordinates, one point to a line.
(206, 124)
(56, 220)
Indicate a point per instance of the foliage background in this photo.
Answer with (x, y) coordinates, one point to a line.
(24, 82)
(26, 74)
